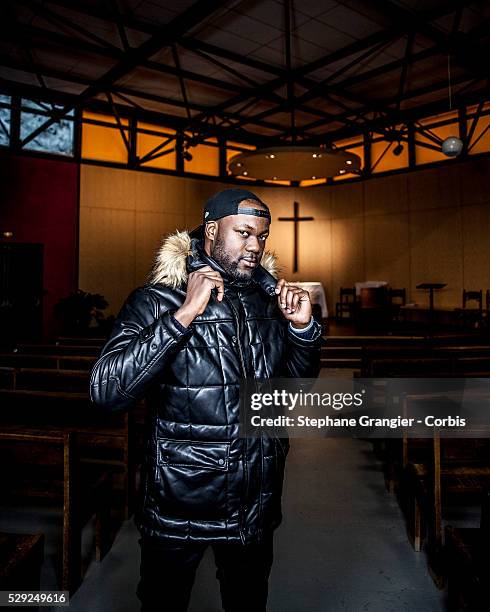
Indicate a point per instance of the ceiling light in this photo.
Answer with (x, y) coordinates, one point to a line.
(245, 173)
(294, 162)
(313, 178)
(452, 146)
(398, 150)
(274, 178)
(342, 171)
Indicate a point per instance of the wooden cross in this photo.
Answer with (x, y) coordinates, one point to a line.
(296, 220)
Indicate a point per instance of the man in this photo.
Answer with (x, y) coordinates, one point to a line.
(184, 341)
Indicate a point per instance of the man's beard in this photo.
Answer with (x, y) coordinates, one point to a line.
(230, 266)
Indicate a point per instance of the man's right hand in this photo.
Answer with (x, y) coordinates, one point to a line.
(199, 286)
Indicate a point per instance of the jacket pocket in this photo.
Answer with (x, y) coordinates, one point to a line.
(192, 479)
(204, 455)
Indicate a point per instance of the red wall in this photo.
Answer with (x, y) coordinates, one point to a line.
(39, 203)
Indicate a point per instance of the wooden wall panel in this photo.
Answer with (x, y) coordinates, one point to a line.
(476, 236)
(196, 193)
(152, 194)
(318, 200)
(107, 253)
(436, 188)
(347, 252)
(475, 182)
(435, 251)
(315, 256)
(346, 200)
(107, 188)
(150, 228)
(406, 229)
(387, 250)
(280, 241)
(388, 195)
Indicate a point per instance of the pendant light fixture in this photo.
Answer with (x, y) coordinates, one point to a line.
(293, 161)
(452, 145)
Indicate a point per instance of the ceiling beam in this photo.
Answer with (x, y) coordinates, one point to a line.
(453, 43)
(419, 112)
(144, 27)
(166, 35)
(152, 117)
(192, 43)
(406, 25)
(402, 26)
(410, 94)
(7, 61)
(33, 32)
(320, 89)
(404, 21)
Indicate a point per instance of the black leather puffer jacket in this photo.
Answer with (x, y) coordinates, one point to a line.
(200, 481)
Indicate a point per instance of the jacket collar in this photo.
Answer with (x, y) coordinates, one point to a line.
(180, 254)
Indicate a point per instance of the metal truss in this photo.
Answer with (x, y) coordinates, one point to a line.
(233, 117)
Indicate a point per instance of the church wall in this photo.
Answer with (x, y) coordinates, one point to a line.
(39, 204)
(429, 225)
(123, 216)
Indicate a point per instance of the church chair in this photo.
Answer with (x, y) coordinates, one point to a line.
(397, 299)
(346, 303)
(471, 312)
(472, 296)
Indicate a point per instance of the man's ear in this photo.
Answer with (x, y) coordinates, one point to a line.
(211, 230)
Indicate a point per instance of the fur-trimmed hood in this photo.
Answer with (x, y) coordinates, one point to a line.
(171, 263)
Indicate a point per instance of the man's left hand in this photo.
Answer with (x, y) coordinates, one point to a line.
(294, 303)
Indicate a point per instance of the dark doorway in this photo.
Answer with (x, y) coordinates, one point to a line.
(21, 292)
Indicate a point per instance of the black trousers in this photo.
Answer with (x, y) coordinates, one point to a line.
(167, 573)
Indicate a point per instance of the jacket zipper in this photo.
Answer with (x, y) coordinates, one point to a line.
(245, 465)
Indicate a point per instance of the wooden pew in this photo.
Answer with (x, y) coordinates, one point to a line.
(44, 379)
(395, 455)
(453, 469)
(45, 466)
(80, 341)
(423, 367)
(468, 563)
(57, 350)
(383, 355)
(21, 557)
(105, 439)
(57, 362)
(57, 373)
